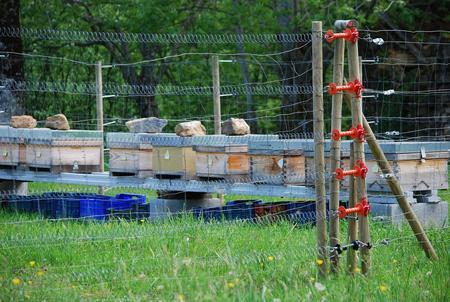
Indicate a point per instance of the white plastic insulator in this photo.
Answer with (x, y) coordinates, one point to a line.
(378, 41)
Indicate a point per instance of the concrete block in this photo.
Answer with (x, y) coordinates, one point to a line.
(161, 209)
(14, 187)
(388, 198)
(429, 214)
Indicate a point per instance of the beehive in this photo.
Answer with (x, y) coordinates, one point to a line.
(308, 147)
(9, 147)
(130, 154)
(52, 150)
(223, 162)
(173, 157)
(419, 166)
(277, 162)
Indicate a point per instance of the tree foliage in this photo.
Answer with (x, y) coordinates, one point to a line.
(274, 113)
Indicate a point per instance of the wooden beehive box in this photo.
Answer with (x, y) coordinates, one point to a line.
(222, 162)
(226, 157)
(60, 151)
(277, 161)
(419, 166)
(130, 154)
(173, 157)
(9, 147)
(308, 145)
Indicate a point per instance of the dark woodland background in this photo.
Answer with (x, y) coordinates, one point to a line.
(408, 61)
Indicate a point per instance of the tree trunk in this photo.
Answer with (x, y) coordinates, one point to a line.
(251, 114)
(11, 67)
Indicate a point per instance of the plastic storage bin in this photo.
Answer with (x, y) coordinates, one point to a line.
(241, 209)
(302, 212)
(208, 214)
(96, 206)
(126, 201)
(271, 210)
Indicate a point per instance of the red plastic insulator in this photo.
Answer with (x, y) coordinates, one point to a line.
(359, 170)
(354, 132)
(354, 87)
(349, 34)
(362, 208)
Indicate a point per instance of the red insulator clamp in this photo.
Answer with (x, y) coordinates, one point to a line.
(359, 170)
(355, 87)
(354, 132)
(362, 208)
(349, 34)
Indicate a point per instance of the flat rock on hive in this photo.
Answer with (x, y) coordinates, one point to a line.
(193, 128)
(23, 121)
(57, 122)
(146, 125)
(235, 126)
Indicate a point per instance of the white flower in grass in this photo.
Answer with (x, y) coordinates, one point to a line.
(319, 286)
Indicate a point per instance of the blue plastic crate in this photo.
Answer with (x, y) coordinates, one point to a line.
(208, 214)
(302, 212)
(95, 207)
(240, 209)
(23, 204)
(126, 201)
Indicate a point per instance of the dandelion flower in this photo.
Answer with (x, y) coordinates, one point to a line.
(230, 285)
(27, 296)
(237, 280)
(383, 288)
(16, 281)
(319, 262)
(40, 273)
(270, 258)
(357, 270)
(142, 220)
(30, 282)
(32, 263)
(312, 279)
(181, 298)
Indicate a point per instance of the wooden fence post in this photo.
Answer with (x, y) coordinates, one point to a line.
(357, 119)
(335, 151)
(396, 189)
(99, 105)
(216, 95)
(352, 232)
(319, 157)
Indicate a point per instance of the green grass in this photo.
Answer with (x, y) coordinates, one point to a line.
(188, 260)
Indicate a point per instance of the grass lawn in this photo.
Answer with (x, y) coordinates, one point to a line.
(187, 260)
